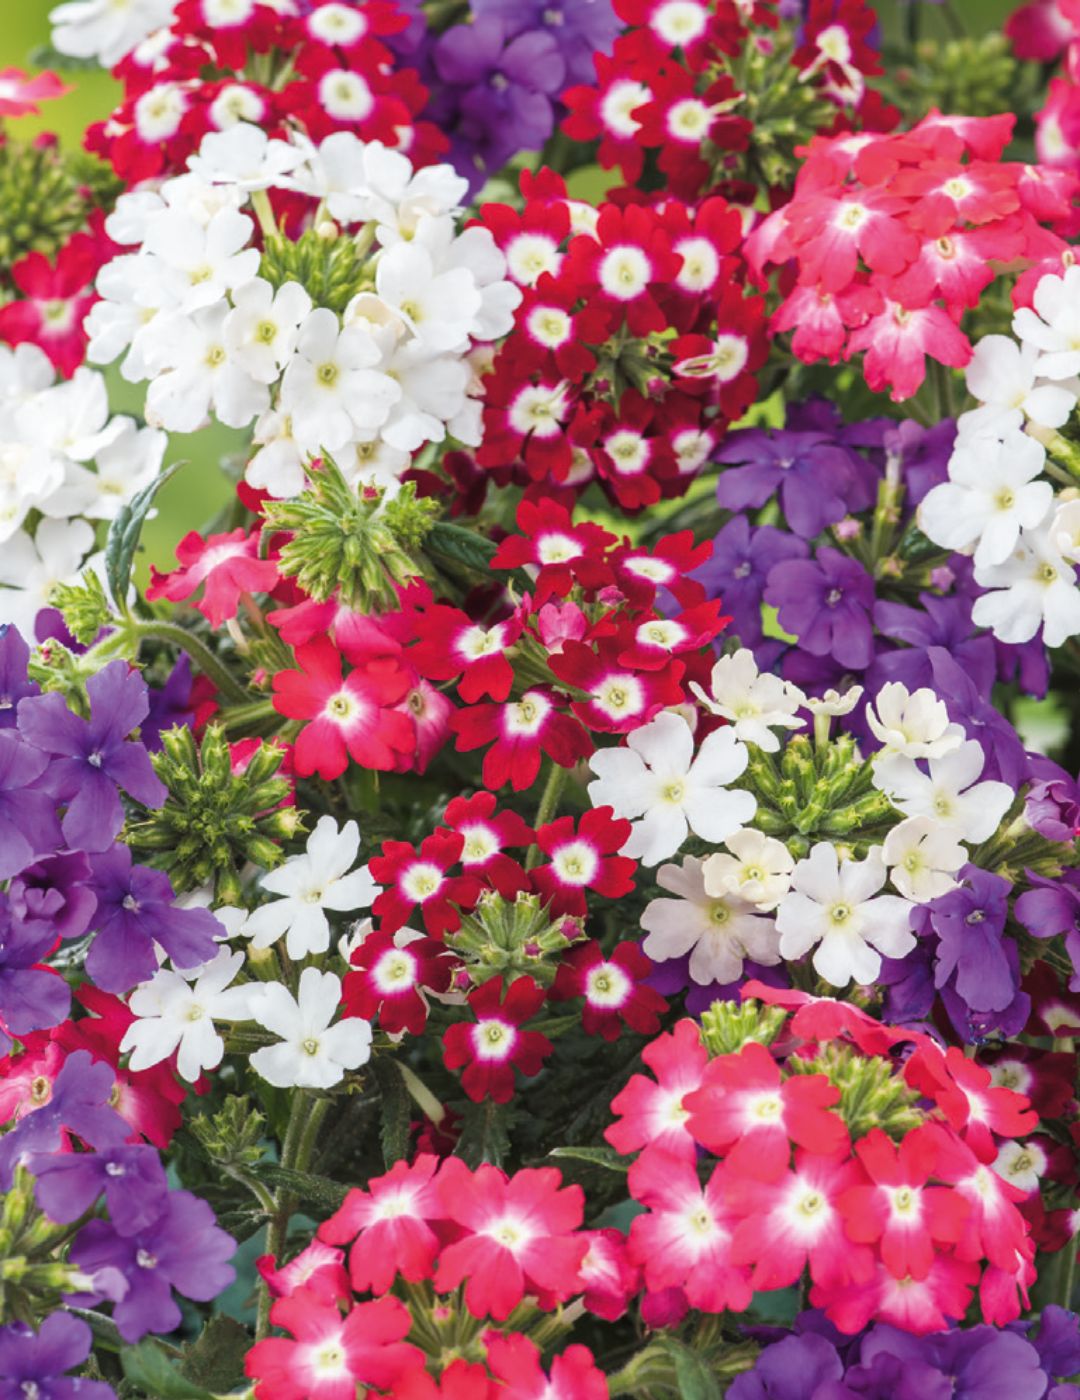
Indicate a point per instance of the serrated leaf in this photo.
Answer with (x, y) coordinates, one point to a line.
(147, 1366)
(319, 1190)
(693, 1373)
(396, 1109)
(484, 1134)
(467, 547)
(124, 534)
(216, 1357)
(605, 1157)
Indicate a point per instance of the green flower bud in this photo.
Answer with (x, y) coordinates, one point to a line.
(505, 938)
(726, 1026)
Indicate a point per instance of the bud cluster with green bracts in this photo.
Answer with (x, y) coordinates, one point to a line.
(361, 547)
(215, 819)
(726, 1026)
(508, 938)
(85, 607)
(872, 1094)
(332, 268)
(818, 792)
(33, 1279)
(46, 195)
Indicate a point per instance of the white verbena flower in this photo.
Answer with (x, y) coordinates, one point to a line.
(243, 156)
(262, 328)
(313, 1053)
(832, 704)
(658, 778)
(106, 29)
(923, 858)
(331, 388)
(758, 869)
(1052, 324)
(718, 931)
(195, 374)
(991, 495)
(30, 568)
(913, 723)
(176, 1013)
(950, 794)
(753, 702)
(309, 884)
(1003, 377)
(1034, 588)
(834, 907)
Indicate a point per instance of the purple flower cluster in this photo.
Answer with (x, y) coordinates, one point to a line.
(35, 1363)
(976, 1363)
(62, 781)
(495, 81)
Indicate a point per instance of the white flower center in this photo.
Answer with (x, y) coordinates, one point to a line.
(576, 863)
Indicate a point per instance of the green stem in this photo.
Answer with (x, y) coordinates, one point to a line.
(199, 652)
(296, 1153)
(549, 800)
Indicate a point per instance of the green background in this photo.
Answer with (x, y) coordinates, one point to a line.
(199, 490)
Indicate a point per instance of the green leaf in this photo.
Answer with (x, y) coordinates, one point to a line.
(216, 1357)
(605, 1157)
(467, 547)
(124, 533)
(147, 1366)
(484, 1134)
(396, 1109)
(45, 56)
(319, 1190)
(695, 1378)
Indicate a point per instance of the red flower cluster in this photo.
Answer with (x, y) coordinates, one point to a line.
(439, 1227)
(590, 384)
(670, 85)
(897, 1226)
(888, 240)
(328, 69)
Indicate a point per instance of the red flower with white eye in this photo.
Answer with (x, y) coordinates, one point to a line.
(519, 732)
(518, 1235)
(388, 1226)
(583, 859)
(562, 553)
(529, 421)
(613, 989)
(393, 970)
(515, 1363)
(452, 644)
(966, 1095)
(554, 335)
(486, 834)
(655, 640)
(350, 716)
(531, 241)
(228, 565)
(622, 265)
(640, 572)
(683, 1240)
(652, 1111)
(55, 299)
(607, 1275)
(608, 110)
(494, 1044)
(414, 879)
(918, 1306)
(620, 699)
(429, 712)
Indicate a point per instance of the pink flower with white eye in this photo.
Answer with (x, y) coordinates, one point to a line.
(684, 1239)
(388, 1226)
(560, 623)
(317, 1268)
(651, 1110)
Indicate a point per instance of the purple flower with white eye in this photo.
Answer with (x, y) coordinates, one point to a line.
(31, 999)
(969, 923)
(32, 1364)
(812, 474)
(94, 759)
(135, 910)
(54, 889)
(28, 825)
(937, 622)
(15, 684)
(826, 603)
(132, 1179)
(79, 1104)
(739, 567)
(580, 28)
(183, 1250)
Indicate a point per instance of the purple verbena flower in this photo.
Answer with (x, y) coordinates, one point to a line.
(31, 998)
(1051, 909)
(826, 603)
(580, 28)
(95, 761)
(54, 889)
(969, 923)
(32, 1364)
(813, 475)
(79, 1104)
(15, 684)
(135, 910)
(170, 705)
(131, 1177)
(183, 1250)
(975, 1363)
(28, 825)
(937, 622)
(741, 560)
(792, 1369)
(1006, 759)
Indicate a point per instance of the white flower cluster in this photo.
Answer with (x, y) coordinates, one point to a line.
(398, 368)
(65, 463)
(998, 505)
(106, 30)
(753, 900)
(176, 1011)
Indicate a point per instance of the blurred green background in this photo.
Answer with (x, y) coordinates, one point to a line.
(199, 490)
